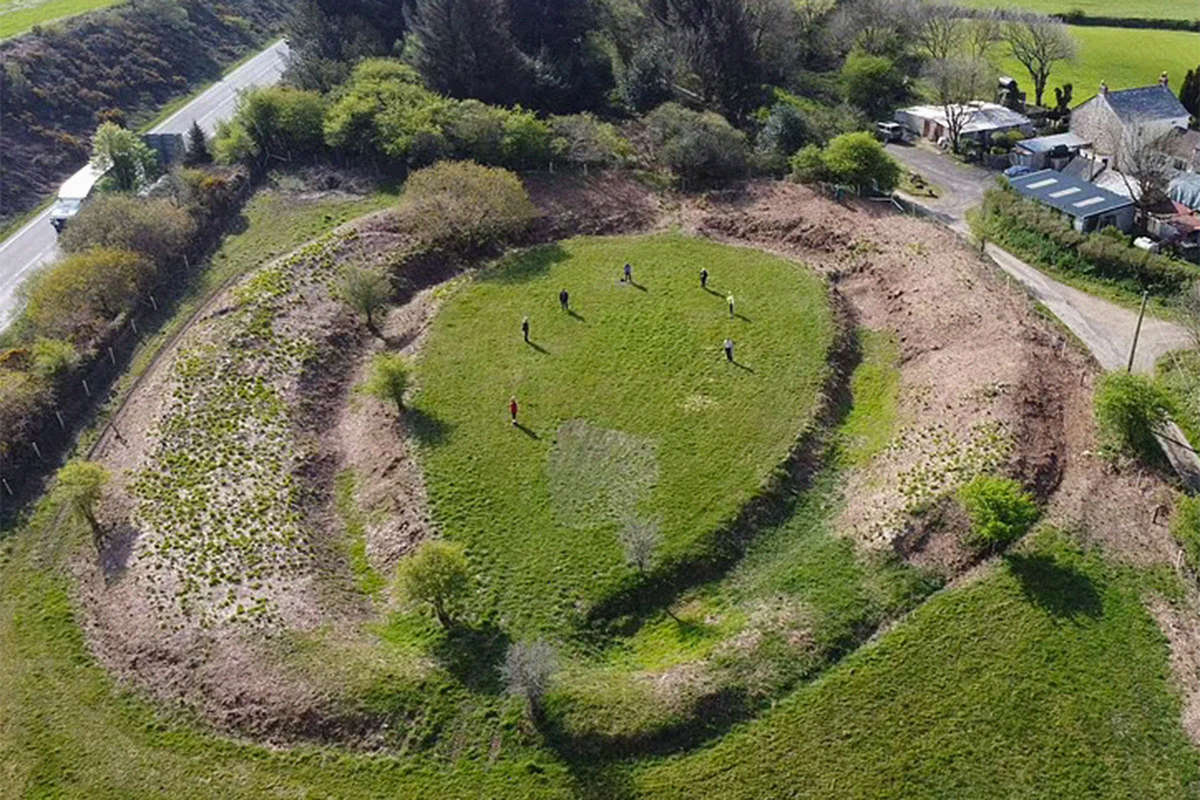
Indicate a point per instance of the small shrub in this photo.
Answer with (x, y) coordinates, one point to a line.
(76, 297)
(808, 165)
(52, 357)
(463, 205)
(1185, 527)
(78, 487)
(860, 160)
(388, 379)
(436, 574)
(583, 140)
(698, 147)
(23, 396)
(1129, 409)
(158, 228)
(999, 509)
(528, 672)
(366, 291)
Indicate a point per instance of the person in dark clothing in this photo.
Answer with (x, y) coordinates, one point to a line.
(730, 301)
(525, 329)
(729, 350)
(703, 279)
(564, 300)
(512, 409)
(628, 273)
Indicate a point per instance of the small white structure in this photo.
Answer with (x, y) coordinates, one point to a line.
(983, 120)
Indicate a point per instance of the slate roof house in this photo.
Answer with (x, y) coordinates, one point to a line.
(1148, 114)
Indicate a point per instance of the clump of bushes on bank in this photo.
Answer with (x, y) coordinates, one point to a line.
(1042, 235)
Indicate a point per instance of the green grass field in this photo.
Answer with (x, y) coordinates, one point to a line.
(1046, 679)
(629, 409)
(1124, 58)
(1145, 9)
(18, 16)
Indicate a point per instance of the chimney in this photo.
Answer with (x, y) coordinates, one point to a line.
(1103, 87)
(1163, 80)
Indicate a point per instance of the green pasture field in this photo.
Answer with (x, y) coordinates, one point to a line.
(1124, 58)
(1047, 678)
(1145, 9)
(18, 16)
(629, 411)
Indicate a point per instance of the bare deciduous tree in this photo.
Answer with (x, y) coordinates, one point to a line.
(1145, 168)
(1038, 42)
(984, 32)
(939, 30)
(528, 672)
(955, 83)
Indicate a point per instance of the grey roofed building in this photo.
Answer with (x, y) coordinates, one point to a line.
(1146, 103)
(1089, 207)
(1185, 189)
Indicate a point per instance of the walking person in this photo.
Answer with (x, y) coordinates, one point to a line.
(525, 329)
(564, 300)
(703, 279)
(729, 350)
(512, 409)
(628, 273)
(730, 301)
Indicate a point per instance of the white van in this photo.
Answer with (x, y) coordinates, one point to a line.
(72, 195)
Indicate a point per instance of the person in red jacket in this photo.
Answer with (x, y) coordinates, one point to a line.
(512, 409)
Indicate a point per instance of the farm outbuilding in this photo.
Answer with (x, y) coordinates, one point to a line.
(983, 120)
(1089, 207)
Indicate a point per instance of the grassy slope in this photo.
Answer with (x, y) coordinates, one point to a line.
(1179, 374)
(647, 363)
(1146, 9)
(1047, 678)
(1122, 57)
(18, 16)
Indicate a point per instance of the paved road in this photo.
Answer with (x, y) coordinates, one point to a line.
(1106, 328)
(36, 243)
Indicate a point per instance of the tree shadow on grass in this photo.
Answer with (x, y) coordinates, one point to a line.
(473, 656)
(526, 266)
(1060, 590)
(426, 428)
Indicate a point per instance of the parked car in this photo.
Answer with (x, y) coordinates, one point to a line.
(889, 132)
(1018, 171)
(72, 196)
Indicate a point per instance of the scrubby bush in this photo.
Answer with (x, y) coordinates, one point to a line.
(128, 162)
(872, 83)
(272, 123)
(808, 165)
(367, 291)
(860, 160)
(698, 147)
(157, 228)
(78, 487)
(583, 140)
(784, 131)
(853, 158)
(1129, 410)
(388, 379)
(437, 574)
(528, 672)
(22, 397)
(1185, 527)
(76, 297)
(1041, 234)
(459, 204)
(999, 509)
(52, 357)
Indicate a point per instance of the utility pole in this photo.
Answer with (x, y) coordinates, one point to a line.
(1137, 332)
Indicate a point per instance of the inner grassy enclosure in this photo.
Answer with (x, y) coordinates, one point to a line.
(629, 412)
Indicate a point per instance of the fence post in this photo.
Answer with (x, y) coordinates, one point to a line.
(133, 323)
(86, 390)
(37, 450)
(111, 356)
(58, 415)
(7, 488)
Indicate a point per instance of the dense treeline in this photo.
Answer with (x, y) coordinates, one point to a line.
(59, 82)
